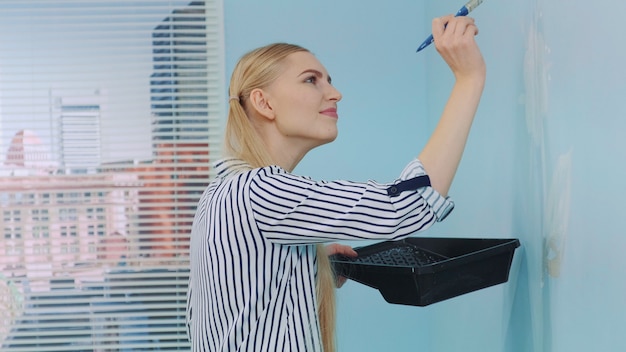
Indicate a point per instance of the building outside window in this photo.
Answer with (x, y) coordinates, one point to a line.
(110, 115)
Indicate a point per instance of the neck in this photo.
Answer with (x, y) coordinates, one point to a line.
(284, 155)
(284, 151)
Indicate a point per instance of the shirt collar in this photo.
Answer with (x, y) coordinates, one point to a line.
(229, 166)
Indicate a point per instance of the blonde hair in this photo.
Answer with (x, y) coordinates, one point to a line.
(257, 69)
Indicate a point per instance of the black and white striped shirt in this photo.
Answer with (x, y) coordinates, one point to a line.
(253, 255)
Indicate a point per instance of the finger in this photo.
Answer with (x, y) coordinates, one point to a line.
(469, 32)
(452, 24)
(332, 249)
(452, 27)
(336, 248)
(474, 28)
(467, 24)
(348, 251)
(459, 25)
(469, 27)
(439, 25)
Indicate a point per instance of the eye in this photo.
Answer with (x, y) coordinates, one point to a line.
(311, 79)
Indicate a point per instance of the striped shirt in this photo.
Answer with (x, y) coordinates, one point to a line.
(253, 255)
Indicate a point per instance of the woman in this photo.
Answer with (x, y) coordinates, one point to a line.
(260, 277)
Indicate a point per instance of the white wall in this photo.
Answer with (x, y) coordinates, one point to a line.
(545, 161)
(548, 147)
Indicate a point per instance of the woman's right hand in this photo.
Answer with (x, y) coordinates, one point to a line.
(454, 40)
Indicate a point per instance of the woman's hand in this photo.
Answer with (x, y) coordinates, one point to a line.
(454, 40)
(336, 248)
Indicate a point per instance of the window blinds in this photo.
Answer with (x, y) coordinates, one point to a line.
(110, 114)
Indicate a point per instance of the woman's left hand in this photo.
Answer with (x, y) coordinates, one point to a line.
(336, 248)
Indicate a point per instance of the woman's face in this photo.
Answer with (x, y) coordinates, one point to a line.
(304, 102)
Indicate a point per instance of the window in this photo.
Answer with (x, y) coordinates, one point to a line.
(110, 114)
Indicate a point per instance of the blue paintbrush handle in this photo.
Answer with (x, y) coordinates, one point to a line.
(464, 11)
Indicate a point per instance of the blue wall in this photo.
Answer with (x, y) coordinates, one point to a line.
(544, 163)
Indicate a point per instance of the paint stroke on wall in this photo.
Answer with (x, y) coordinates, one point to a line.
(533, 170)
(536, 79)
(548, 187)
(557, 214)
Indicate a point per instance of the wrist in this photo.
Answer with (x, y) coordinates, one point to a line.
(474, 79)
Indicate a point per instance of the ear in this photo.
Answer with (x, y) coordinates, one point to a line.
(260, 103)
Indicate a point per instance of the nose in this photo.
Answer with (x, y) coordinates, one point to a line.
(333, 93)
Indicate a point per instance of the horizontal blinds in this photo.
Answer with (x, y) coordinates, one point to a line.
(110, 115)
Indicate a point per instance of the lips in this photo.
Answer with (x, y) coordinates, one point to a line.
(332, 112)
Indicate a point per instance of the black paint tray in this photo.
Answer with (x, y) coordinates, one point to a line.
(419, 271)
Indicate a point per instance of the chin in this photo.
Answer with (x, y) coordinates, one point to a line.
(323, 141)
(331, 137)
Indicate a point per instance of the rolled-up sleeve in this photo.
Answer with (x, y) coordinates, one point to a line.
(440, 205)
(292, 209)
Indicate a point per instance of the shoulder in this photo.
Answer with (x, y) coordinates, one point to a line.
(231, 171)
(278, 174)
(274, 181)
